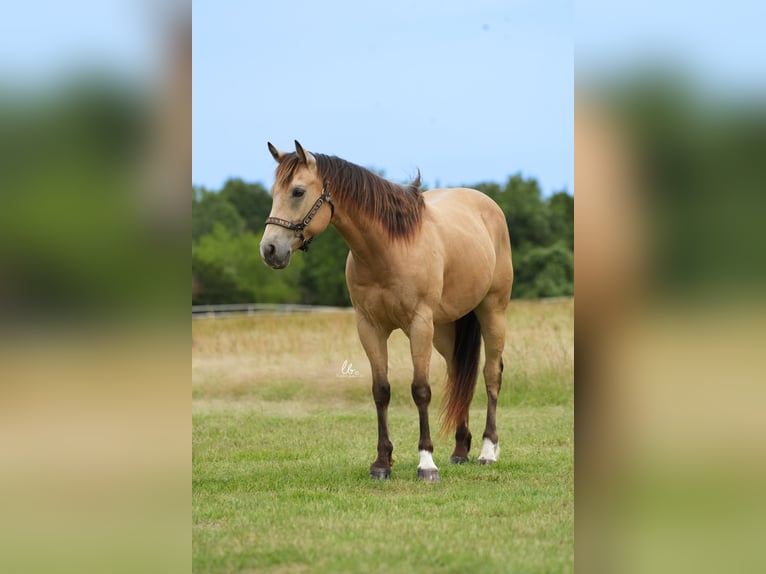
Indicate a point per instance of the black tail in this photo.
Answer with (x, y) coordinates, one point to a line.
(465, 367)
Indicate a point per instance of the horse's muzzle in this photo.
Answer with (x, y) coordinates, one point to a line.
(274, 257)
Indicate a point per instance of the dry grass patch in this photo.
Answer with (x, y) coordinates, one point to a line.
(300, 357)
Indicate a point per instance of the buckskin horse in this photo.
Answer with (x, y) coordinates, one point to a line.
(436, 265)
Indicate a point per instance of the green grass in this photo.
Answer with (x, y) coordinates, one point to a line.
(281, 457)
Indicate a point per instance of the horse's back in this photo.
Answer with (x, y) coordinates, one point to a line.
(462, 201)
(464, 210)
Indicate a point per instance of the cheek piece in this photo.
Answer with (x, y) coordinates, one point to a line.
(299, 227)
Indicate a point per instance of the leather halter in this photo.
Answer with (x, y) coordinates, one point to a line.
(299, 227)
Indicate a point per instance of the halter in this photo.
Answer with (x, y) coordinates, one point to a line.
(299, 227)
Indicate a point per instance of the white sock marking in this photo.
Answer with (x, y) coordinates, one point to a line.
(426, 461)
(489, 450)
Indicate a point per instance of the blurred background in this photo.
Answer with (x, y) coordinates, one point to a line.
(670, 135)
(95, 157)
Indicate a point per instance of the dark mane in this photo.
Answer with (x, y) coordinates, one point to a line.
(398, 208)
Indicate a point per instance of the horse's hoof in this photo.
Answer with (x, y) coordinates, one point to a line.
(428, 474)
(380, 473)
(486, 461)
(458, 459)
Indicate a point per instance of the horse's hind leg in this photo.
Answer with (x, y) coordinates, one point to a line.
(444, 341)
(492, 319)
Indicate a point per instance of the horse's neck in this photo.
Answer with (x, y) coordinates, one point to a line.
(367, 240)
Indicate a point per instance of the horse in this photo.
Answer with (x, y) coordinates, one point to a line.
(436, 265)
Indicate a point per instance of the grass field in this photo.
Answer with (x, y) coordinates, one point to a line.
(282, 442)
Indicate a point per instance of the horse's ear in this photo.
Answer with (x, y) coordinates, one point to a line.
(305, 156)
(275, 153)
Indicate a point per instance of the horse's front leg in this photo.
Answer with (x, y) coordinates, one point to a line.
(421, 334)
(375, 343)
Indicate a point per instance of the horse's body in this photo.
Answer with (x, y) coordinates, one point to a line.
(436, 265)
(449, 267)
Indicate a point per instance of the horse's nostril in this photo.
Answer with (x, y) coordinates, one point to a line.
(269, 249)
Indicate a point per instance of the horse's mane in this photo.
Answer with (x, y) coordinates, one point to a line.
(398, 208)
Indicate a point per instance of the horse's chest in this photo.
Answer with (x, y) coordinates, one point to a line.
(390, 298)
(385, 306)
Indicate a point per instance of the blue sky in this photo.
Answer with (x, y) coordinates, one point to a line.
(465, 91)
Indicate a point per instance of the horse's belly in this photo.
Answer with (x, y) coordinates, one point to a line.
(467, 278)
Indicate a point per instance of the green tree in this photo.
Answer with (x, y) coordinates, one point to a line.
(238, 259)
(525, 212)
(228, 225)
(251, 200)
(214, 284)
(210, 209)
(561, 210)
(545, 271)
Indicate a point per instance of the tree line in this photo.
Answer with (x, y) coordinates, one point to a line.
(227, 226)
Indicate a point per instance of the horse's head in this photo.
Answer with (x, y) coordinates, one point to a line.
(298, 211)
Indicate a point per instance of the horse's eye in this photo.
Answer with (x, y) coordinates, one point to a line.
(298, 192)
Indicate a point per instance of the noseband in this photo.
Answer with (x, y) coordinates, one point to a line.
(299, 227)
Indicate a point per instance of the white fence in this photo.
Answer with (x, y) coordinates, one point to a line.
(212, 311)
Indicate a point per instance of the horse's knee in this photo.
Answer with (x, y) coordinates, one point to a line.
(381, 392)
(421, 393)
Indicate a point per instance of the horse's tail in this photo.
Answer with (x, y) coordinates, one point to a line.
(465, 367)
